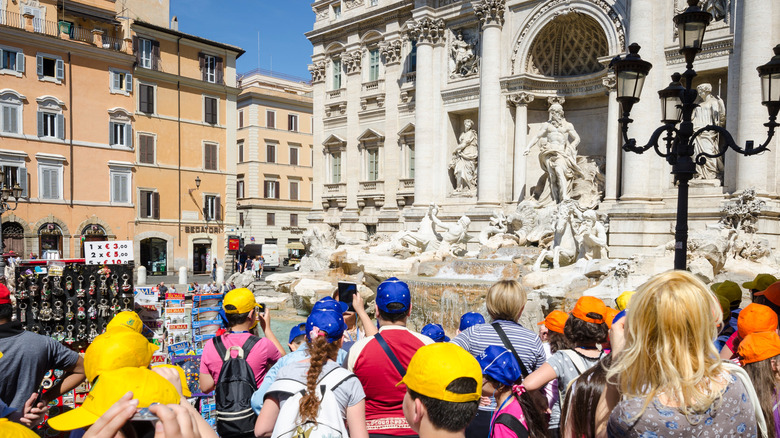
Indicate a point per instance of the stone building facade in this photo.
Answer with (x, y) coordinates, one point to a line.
(394, 82)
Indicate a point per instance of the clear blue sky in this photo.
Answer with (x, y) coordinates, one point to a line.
(283, 47)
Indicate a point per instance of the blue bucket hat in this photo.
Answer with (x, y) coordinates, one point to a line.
(392, 291)
(331, 324)
(296, 331)
(499, 364)
(328, 303)
(435, 332)
(469, 319)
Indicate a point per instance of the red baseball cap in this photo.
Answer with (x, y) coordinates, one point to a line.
(5, 295)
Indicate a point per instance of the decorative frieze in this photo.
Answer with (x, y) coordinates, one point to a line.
(426, 30)
(391, 51)
(490, 12)
(317, 70)
(352, 4)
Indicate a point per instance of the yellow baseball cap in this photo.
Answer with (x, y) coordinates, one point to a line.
(761, 282)
(239, 301)
(621, 302)
(147, 386)
(9, 429)
(433, 367)
(184, 388)
(117, 349)
(126, 320)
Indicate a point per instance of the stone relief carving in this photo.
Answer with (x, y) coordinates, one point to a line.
(711, 111)
(455, 237)
(352, 4)
(576, 235)
(557, 140)
(426, 30)
(463, 164)
(463, 59)
(592, 236)
(317, 70)
(490, 12)
(353, 61)
(321, 14)
(518, 99)
(391, 51)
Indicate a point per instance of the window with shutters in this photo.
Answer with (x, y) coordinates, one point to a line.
(294, 155)
(145, 53)
(149, 201)
(121, 82)
(270, 219)
(210, 114)
(293, 190)
(210, 155)
(11, 106)
(241, 219)
(120, 131)
(413, 57)
(270, 153)
(241, 151)
(146, 98)
(146, 149)
(50, 181)
(335, 167)
(240, 189)
(373, 65)
(336, 72)
(11, 60)
(270, 119)
(120, 186)
(293, 220)
(372, 164)
(271, 189)
(210, 68)
(49, 123)
(50, 67)
(212, 208)
(241, 118)
(292, 122)
(14, 171)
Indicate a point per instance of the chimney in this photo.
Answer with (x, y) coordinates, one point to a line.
(175, 23)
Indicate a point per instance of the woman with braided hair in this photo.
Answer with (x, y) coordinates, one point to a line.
(306, 394)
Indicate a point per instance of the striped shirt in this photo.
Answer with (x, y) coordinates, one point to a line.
(476, 339)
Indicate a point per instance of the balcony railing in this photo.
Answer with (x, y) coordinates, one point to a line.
(11, 19)
(335, 189)
(410, 78)
(335, 94)
(52, 28)
(372, 186)
(373, 85)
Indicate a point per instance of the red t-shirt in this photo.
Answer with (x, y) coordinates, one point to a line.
(384, 400)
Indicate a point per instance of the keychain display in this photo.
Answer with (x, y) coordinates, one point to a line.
(74, 306)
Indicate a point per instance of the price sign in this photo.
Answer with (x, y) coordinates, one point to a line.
(115, 252)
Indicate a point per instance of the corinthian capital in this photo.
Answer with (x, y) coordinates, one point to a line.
(519, 99)
(353, 61)
(391, 51)
(609, 82)
(490, 12)
(317, 70)
(426, 30)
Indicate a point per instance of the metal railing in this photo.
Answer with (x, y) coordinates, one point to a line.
(52, 28)
(82, 34)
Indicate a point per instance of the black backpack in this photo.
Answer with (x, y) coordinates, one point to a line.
(233, 392)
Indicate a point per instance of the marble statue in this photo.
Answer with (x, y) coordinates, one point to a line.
(455, 236)
(319, 241)
(718, 8)
(498, 225)
(464, 160)
(558, 143)
(463, 59)
(564, 248)
(711, 111)
(592, 237)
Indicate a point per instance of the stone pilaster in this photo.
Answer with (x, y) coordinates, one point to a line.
(613, 148)
(491, 14)
(352, 167)
(520, 101)
(317, 69)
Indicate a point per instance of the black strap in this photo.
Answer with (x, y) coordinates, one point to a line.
(382, 343)
(513, 423)
(248, 345)
(221, 350)
(508, 345)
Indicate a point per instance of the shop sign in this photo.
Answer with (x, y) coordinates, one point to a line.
(146, 295)
(233, 243)
(115, 252)
(192, 229)
(294, 230)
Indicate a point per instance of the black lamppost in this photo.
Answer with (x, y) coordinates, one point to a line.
(677, 107)
(6, 194)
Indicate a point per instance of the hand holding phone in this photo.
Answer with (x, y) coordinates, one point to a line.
(347, 292)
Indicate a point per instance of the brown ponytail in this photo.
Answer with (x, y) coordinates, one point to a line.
(319, 352)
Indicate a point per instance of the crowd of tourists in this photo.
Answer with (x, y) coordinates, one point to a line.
(672, 359)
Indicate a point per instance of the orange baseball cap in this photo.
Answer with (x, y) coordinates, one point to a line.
(609, 316)
(756, 318)
(758, 347)
(587, 305)
(772, 293)
(555, 321)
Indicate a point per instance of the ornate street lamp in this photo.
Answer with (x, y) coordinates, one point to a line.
(677, 107)
(6, 193)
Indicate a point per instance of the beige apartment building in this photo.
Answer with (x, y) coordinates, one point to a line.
(274, 156)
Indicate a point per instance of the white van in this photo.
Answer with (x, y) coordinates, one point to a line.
(270, 253)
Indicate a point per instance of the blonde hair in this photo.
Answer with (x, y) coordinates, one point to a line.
(669, 344)
(506, 300)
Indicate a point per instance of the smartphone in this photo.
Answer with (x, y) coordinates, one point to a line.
(261, 308)
(347, 292)
(144, 414)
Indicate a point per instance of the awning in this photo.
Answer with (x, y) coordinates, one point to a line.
(295, 245)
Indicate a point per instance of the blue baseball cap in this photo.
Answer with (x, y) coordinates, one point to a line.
(296, 331)
(469, 319)
(330, 323)
(328, 303)
(435, 332)
(392, 291)
(498, 363)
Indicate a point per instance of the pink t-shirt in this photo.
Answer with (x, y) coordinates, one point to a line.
(262, 357)
(512, 408)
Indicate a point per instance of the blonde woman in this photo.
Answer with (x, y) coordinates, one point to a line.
(668, 372)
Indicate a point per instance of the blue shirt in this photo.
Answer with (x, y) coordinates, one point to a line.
(270, 377)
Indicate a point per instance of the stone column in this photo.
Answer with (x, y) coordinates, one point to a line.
(491, 14)
(392, 154)
(427, 32)
(520, 101)
(756, 49)
(352, 165)
(613, 148)
(317, 70)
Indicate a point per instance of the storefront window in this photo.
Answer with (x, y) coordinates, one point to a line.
(154, 256)
(50, 241)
